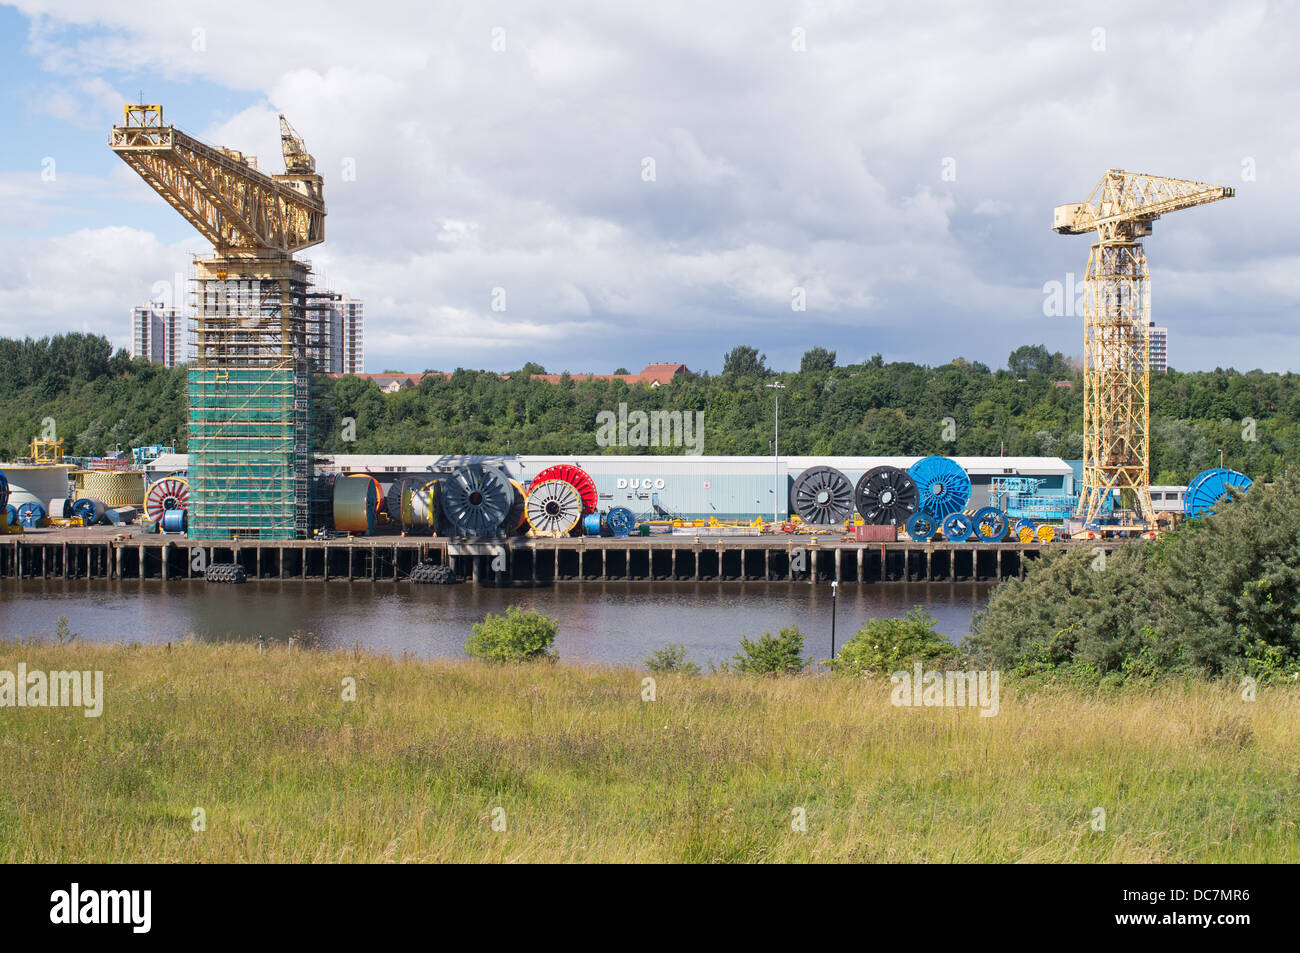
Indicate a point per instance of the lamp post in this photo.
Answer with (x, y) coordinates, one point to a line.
(776, 387)
(835, 589)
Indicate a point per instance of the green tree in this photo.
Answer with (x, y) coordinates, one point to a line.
(882, 646)
(742, 361)
(772, 654)
(520, 635)
(816, 359)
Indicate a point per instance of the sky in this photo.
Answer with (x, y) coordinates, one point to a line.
(600, 185)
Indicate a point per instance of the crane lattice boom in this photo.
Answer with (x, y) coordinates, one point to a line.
(220, 191)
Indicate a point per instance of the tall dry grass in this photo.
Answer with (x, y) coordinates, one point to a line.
(584, 770)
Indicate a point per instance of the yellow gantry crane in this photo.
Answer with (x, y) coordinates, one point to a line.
(1117, 347)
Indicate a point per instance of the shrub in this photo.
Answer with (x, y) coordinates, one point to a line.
(671, 658)
(520, 635)
(1218, 596)
(890, 645)
(772, 654)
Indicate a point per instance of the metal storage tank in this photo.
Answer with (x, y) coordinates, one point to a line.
(29, 484)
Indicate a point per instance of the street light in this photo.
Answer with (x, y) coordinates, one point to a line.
(776, 387)
(835, 589)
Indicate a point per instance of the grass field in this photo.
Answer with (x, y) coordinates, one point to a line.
(582, 769)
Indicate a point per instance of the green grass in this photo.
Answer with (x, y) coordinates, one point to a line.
(586, 771)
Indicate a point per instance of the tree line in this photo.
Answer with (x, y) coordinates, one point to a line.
(99, 400)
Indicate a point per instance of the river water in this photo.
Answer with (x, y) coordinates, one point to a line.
(614, 623)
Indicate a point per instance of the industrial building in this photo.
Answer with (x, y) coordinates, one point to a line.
(158, 334)
(690, 487)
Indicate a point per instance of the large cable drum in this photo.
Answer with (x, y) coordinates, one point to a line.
(576, 477)
(112, 487)
(476, 499)
(886, 496)
(921, 526)
(621, 521)
(822, 496)
(943, 486)
(356, 502)
(90, 511)
(1210, 488)
(31, 514)
(957, 527)
(515, 519)
(420, 508)
(553, 508)
(169, 493)
(4, 491)
(991, 524)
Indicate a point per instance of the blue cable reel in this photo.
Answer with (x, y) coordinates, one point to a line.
(944, 486)
(620, 521)
(990, 523)
(31, 515)
(1020, 525)
(921, 526)
(1210, 488)
(957, 527)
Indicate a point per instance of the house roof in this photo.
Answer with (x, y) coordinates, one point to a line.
(652, 374)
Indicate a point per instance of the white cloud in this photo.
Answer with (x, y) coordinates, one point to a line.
(775, 168)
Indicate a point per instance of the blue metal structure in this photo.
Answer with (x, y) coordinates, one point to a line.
(921, 526)
(957, 527)
(1210, 487)
(944, 486)
(620, 521)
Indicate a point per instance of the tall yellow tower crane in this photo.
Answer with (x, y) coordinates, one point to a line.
(1117, 346)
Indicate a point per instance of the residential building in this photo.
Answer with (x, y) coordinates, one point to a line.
(336, 332)
(1159, 348)
(158, 334)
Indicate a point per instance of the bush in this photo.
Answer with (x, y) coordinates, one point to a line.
(772, 654)
(518, 636)
(883, 646)
(1219, 596)
(671, 658)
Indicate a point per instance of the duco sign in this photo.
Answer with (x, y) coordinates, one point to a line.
(644, 483)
